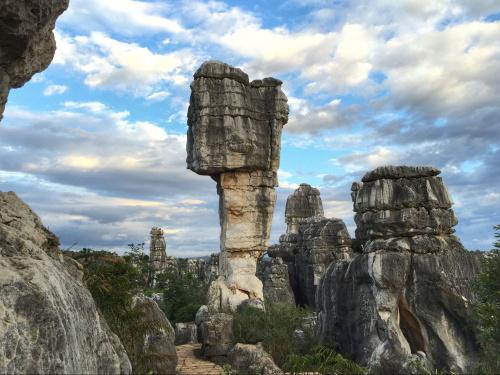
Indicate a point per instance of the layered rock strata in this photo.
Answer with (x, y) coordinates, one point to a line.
(157, 250)
(406, 298)
(154, 347)
(311, 243)
(27, 45)
(275, 280)
(49, 323)
(234, 136)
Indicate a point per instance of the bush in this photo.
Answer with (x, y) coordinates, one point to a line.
(275, 327)
(487, 310)
(183, 294)
(322, 360)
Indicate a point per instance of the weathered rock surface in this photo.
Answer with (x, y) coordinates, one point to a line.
(186, 333)
(217, 335)
(321, 241)
(406, 297)
(234, 124)
(48, 320)
(27, 44)
(234, 135)
(311, 243)
(274, 276)
(154, 348)
(252, 359)
(304, 203)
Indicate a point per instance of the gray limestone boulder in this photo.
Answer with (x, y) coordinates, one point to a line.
(407, 298)
(234, 124)
(275, 280)
(50, 323)
(186, 333)
(27, 45)
(252, 359)
(217, 335)
(321, 241)
(304, 203)
(154, 347)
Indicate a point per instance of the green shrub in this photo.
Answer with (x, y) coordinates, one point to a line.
(487, 310)
(321, 360)
(183, 294)
(275, 327)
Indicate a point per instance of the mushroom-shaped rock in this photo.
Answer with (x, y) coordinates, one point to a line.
(234, 136)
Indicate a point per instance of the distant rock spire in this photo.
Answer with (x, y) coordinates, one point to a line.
(157, 250)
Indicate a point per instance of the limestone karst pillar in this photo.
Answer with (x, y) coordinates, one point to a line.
(157, 250)
(234, 136)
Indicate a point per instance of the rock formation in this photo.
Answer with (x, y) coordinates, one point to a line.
(311, 243)
(404, 300)
(27, 44)
(154, 346)
(234, 136)
(157, 250)
(275, 280)
(48, 320)
(304, 203)
(252, 359)
(186, 333)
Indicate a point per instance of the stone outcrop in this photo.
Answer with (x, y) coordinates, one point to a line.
(27, 45)
(304, 203)
(157, 250)
(186, 333)
(48, 320)
(311, 243)
(154, 339)
(274, 276)
(234, 136)
(252, 359)
(405, 298)
(217, 334)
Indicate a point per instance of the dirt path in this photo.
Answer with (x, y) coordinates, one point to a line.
(189, 364)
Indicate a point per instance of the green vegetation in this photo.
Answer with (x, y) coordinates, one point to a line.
(183, 294)
(321, 360)
(487, 310)
(275, 328)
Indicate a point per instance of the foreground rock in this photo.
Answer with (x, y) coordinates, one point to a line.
(27, 44)
(275, 280)
(311, 243)
(48, 320)
(234, 136)
(405, 299)
(186, 333)
(154, 346)
(252, 359)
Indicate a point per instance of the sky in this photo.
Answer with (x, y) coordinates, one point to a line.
(96, 143)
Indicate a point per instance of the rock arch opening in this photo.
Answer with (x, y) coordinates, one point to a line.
(410, 327)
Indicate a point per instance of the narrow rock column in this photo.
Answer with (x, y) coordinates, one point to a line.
(234, 135)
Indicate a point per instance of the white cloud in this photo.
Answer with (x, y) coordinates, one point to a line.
(125, 17)
(158, 96)
(125, 67)
(55, 90)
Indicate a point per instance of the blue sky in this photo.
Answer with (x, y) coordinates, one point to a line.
(96, 143)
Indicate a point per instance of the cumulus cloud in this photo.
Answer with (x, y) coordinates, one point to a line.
(126, 67)
(124, 17)
(55, 90)
(85, 166)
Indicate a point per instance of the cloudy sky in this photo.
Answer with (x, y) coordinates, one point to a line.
(96, 143)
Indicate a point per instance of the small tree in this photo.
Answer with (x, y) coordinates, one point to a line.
(135, 255)
(488, 309)
(183, 294)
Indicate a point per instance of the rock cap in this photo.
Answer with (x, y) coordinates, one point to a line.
(400, 171)
(218, 69)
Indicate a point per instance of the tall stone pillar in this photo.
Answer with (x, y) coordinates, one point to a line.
(157, 253)
(234, 136)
